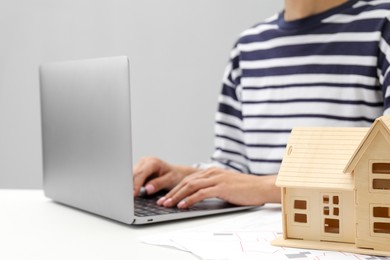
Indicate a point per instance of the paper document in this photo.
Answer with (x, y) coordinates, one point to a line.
(246, 237)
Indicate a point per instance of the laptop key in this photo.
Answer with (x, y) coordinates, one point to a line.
(149, 207)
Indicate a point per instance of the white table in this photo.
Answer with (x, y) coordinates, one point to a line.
(35, 228)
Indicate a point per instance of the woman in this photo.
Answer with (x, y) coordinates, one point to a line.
(317, 63)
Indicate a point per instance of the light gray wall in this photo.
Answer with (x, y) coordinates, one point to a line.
(178, 50)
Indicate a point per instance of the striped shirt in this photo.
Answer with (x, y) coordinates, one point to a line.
(329, 69)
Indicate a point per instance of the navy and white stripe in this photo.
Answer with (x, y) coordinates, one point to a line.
(330, 69)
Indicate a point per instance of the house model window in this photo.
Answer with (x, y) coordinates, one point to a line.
(381, 220)
(381, 176)
(300, 211)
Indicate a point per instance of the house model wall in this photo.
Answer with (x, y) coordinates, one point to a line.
(335, 186)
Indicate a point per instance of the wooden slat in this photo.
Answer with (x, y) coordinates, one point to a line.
(318, 156)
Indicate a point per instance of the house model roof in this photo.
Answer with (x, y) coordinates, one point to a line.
(316, 157)
(381, 124)
(320, 156)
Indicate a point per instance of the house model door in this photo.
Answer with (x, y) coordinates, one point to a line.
(337, 216)
(331, 221)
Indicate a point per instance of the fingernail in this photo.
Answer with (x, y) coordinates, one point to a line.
(161, 201)
(168, 203)
(182, 204)
(142, 192)
(149, 188)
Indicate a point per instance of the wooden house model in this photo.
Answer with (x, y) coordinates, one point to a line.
(335, 186)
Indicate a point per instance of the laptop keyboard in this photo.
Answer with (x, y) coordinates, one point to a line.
(146, 206)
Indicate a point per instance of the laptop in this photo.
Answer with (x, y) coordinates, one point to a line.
(87, 146)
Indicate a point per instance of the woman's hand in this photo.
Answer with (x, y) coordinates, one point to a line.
(233, 187)
(155, 174)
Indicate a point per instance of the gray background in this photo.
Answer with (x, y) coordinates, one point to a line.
(178, 50)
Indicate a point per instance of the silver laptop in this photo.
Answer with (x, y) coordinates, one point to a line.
(87, 147)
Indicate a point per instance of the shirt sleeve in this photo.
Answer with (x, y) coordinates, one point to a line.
(384, 65)
(230, 149)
